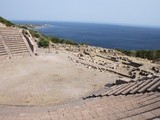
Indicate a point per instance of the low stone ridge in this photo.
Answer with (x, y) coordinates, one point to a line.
(140, 86)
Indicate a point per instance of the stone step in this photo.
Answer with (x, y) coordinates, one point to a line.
(3, 53)
(21, 54)
(140, 86)
(131, 88)
(108, 91)
(12, 44)
(146, 97)
(2, 47)
(125, 88)
(17, 52)
(155, 86)
(13, 40)
(16, 43)
(16, 47)
(148, 85)
(119, 87)
(2, 50)
(11, 36)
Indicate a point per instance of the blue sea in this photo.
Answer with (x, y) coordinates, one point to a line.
(102, 35)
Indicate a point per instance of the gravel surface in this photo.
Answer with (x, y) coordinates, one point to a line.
(47, 79)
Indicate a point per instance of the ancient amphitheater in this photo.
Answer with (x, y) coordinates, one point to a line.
(63, 84)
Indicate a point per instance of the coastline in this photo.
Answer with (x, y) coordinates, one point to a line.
(106, 36)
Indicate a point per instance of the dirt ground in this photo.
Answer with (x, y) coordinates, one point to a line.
(47, 79)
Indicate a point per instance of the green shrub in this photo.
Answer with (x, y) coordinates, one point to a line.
(69, 42)
(126, 52)
(58, 40)
(83, 44)
(35, 34)
(22, 26)
(43, 43)
(55, 40)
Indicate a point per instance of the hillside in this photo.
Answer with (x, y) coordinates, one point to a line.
(6, 22)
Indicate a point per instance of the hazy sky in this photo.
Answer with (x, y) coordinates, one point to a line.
(133, 12)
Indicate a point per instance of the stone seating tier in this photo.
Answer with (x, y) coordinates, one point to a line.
(12, 43)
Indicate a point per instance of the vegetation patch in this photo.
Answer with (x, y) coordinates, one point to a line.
(22, 26)
(43, 43)
(44, 40)
(36, 34)
(6, 22)
(146, 54)
(59, 40)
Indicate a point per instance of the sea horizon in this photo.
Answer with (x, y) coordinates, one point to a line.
(81, 22)
(102, 35)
